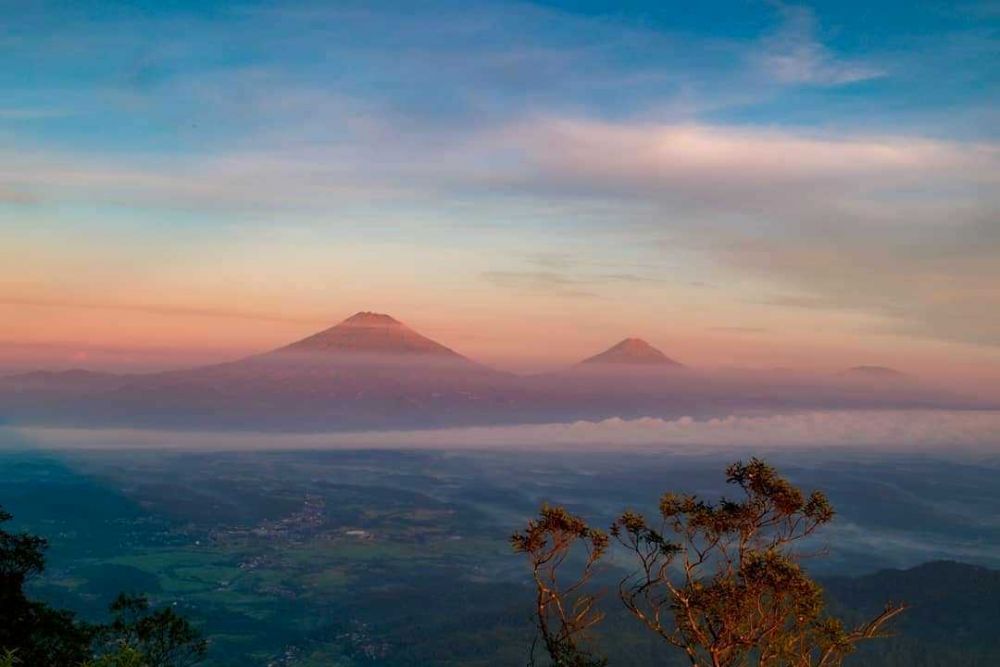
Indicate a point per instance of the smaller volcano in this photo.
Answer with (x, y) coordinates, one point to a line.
(633, 352)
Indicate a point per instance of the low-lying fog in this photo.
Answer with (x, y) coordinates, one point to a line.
(909, 485)
(947, 431)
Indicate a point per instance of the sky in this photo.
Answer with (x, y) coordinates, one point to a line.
(740, 183)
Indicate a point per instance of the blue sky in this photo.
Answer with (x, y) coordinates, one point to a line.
(140, 76)
(741, 165)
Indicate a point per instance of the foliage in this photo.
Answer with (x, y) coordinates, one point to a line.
(719, 581)
(123, 657)
(563, 612)
(32, 633)
(162, 638)
(21, 555)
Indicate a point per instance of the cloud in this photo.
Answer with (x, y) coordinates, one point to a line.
(900, 228)
(695, 166)
(664, 159)
(917, 430)
(935, 281)
(793, 55)
(739, 330)
(897, 227)
(522, 116)
(564, 281)
(545, 282)
(156, 309)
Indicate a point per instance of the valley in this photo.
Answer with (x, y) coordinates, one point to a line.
(401, 558)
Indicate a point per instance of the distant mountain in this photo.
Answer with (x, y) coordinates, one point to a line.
(66, 379)
(632, 351)
(369, 371)
(373, 372)
(874, 373)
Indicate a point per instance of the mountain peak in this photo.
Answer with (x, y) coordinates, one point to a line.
(633, 351)
(369, 319)
(369, 333)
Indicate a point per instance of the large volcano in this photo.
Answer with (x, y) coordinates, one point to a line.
(369, 333)
(369, 371)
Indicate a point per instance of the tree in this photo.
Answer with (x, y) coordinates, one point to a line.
(160, 638)
(742, 598)
(33, 633)
(722, 581)
(122, 657)
(563, 613)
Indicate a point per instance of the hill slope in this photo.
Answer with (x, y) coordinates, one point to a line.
(953, 617)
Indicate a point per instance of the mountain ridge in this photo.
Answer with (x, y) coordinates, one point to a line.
(371, 371)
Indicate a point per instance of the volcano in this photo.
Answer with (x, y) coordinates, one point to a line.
(633, 352)
(368, 371)
(368, 333)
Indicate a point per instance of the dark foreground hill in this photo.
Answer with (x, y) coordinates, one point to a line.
(953, 620)
(954, 617)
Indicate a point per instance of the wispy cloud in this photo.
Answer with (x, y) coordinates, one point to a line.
(546, 282)
(937, 282)
(795, 55)
(739, 330)
(703, 159)
(713, 167)
(156, 309)
(896, 226)
(566, 276)
(899, 227)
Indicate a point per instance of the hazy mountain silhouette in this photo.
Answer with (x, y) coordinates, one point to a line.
(369, 371)
(880, 373)
(632, 351)
(373, 372)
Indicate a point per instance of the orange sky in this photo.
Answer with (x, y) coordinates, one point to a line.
(524, 332)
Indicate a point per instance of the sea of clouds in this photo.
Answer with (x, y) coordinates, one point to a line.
(898, 430)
